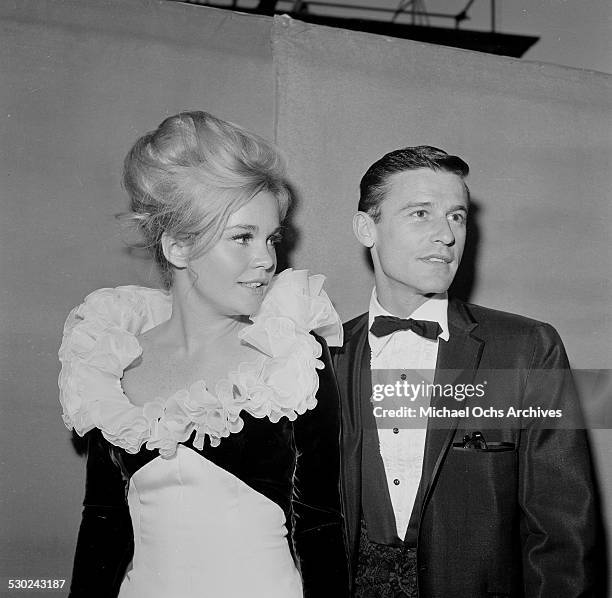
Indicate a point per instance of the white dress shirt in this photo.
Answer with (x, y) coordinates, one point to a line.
(402, 449)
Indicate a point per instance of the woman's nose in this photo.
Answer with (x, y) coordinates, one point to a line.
(265, 257)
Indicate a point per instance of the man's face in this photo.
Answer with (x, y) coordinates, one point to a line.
(418, 241)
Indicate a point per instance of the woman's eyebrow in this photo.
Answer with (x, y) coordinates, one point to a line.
(246, 227)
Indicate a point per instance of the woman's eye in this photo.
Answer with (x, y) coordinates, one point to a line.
(243, 239)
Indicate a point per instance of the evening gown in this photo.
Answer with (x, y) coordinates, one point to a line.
(225, 492)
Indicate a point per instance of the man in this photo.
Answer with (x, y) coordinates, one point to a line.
(453, 510)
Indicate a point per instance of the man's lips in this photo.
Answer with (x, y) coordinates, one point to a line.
(437, 258)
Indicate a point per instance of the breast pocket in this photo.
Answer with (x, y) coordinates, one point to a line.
(492, 447)
(490, 469)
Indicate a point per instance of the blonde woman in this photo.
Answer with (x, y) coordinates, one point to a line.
(213, 461)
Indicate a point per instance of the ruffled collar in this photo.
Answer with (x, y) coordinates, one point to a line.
(100, 342)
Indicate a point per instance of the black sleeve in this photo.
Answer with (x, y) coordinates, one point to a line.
(105, 544)
(561, 537)
(318, 525)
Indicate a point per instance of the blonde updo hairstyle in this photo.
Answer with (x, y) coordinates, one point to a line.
(188, 176)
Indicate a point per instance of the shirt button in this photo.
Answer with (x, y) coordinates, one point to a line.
(396, 482)
(396, 430)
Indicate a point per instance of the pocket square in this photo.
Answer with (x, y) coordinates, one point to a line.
(476, 442)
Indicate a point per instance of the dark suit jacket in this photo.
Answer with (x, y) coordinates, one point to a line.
(516, 522)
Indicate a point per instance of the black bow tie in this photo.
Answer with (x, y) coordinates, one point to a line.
(384, 325)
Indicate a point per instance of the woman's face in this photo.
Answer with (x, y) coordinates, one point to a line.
(233, 276)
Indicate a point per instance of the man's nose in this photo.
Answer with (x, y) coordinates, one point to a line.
(443, 233)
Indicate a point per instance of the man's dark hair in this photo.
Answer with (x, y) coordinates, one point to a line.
(373, 186)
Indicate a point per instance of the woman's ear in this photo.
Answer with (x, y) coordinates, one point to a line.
(365, 229)
(176, 252)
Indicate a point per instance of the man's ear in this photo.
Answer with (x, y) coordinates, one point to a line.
(176, 252)
(365, 229)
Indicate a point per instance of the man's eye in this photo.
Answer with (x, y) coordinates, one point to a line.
(420, 213)
(457, 217)
(275, 239)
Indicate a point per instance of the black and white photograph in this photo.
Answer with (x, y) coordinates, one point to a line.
(306, 299)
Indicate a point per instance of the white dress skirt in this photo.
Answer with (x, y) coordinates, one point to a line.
(201, 532)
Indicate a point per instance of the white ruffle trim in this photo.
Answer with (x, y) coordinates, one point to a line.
(100, 342)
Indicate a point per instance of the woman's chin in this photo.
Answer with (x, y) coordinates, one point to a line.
(247, 308)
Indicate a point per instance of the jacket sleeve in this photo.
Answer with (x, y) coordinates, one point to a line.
(559, 513)
(318, 526)
(105, 543)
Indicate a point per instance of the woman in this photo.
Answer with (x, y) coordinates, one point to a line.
(200, 403)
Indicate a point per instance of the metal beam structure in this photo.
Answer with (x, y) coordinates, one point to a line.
(387, 22)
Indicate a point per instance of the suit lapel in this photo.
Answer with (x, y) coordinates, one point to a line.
(350, 367)
(458, 360)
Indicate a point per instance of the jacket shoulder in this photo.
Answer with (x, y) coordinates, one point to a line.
(501, 323)
(355, 322)
(354, 327)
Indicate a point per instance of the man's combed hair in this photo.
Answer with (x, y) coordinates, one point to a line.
(375, 181)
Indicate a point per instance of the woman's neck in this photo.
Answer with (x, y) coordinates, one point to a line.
(194, 325)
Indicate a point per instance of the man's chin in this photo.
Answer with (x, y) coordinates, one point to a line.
(436, 288)
(441, 285)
